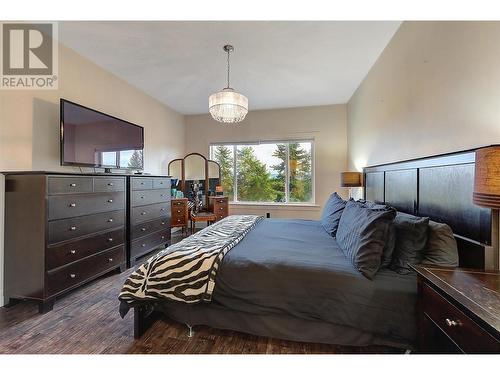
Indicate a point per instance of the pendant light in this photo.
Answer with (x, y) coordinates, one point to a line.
(228, 106)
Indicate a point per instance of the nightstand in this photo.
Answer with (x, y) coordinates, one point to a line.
(180, 215)
(219, 205)
(458, 310)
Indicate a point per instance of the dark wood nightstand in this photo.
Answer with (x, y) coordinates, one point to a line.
(458, 310)
(180, 213)
(219, 205)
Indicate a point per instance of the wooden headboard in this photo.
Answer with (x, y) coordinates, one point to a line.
(439, 187)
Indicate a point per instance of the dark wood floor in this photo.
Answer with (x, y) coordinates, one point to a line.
(86, 321)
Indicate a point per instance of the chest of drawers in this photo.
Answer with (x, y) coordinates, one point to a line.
(61, 231)
(458, 310)
(219, 205)
(149, 215)
(180, 216)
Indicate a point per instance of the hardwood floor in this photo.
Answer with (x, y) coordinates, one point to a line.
(86, 321)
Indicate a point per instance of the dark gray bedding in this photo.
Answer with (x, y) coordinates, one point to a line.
(294, 267)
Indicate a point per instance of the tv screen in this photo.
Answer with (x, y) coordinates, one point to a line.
(91, 138)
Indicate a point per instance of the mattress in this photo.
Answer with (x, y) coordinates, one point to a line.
(294, 268)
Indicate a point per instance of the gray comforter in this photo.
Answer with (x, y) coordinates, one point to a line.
(294, 267)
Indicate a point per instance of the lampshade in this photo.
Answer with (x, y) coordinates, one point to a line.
(351, 179)
(487, 177)
(228, 106)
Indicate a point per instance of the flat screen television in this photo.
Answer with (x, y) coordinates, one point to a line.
(91, 138)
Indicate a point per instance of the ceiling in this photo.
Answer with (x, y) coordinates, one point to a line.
(275, 64)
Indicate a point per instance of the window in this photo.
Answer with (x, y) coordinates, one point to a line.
(280, 172)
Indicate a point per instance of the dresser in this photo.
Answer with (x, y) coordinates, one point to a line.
(458, 310)
(61, 231)
(149, 215)
(180, 213)
(219, 205)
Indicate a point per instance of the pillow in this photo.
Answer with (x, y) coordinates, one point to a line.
(441, 249)
(362, 235)
(390, 237)
(331, 214)
(411, 239)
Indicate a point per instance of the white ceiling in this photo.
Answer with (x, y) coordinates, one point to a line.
(275, 64)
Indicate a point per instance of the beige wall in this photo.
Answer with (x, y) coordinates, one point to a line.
(29, 120)
(325, 124)
(434, 89)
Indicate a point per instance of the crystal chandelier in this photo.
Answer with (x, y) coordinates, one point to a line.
(227, 105)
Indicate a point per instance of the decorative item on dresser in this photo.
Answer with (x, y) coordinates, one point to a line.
(180, 213)
(458, 310)
(61, 231)
(149, 215)
(219, 205)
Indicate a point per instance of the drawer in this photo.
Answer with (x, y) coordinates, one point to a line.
(67, 229)
(466, 334)
(63, 206)
(59, 255)
(146, 213)
(221, 209)
(222, 200)
(179, 219)
(161, 183)
(177, 203)
(148, 227)
(69, 185)
(220, 215)
(105, 184)
(83, 270)
(179, 210)
(148, 243)
(141, 183)
(144, 197)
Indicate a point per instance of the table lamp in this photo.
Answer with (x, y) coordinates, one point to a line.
(350, 180)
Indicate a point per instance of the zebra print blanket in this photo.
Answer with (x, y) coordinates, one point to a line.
(186, 271)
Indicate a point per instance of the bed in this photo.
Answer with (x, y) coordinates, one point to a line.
(289, 279)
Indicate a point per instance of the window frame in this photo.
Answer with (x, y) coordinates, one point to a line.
(287, 184)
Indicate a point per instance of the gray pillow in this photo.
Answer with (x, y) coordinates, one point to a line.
(411, 239)
(331, 214)
(390, 237)
(441, 249)
(362, 235)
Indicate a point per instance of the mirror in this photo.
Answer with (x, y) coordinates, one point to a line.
(195, 177)
(195, 182)
(213, 176)
(175, 170)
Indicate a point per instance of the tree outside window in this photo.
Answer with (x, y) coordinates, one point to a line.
(278, 172)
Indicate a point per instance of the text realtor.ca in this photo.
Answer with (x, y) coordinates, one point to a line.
(29, 55)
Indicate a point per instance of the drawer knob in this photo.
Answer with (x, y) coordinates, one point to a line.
(72, 204)
(110, 184)
(110, 260)
(72, 275)
(72, 252)
(178, 211)
(143, 213)
(142, 183)
(142, 196)
(221, 208)
(220, 217)
(110, 220)
(72, 228)
(143, 245)
(72, 185)
(110, 239)
(162, 237)
(162, 223)
(143, 229)
(178, 220)
(162, 195)
(110, 200)
(452, 323)
(162, 209)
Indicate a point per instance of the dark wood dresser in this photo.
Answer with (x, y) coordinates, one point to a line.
(180, 213)
(219, 205)
(458, 310)
(61, 231)
(149, 215)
